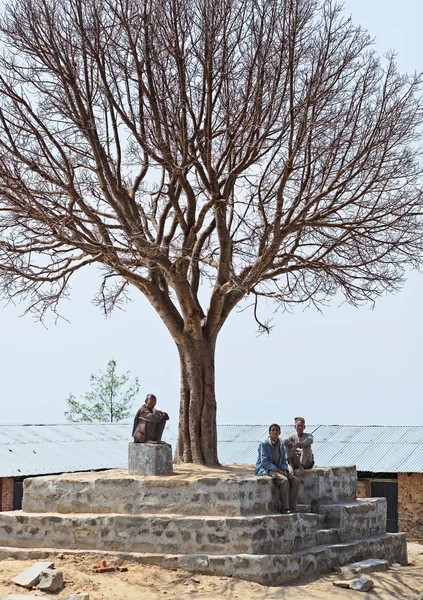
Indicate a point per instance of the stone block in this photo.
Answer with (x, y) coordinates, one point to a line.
(149, 459)
(356, 520)
(326, 485)
(77, 597)
(31, 576)
(362, 584)
(51, 580)
(370, 565)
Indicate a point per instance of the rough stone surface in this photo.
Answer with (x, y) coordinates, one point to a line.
(123, 493)
(358, 519)
(118, 492)
(31, 576)
(51, 580)
(149, 459)
(264, 569)
(362, 584)
(223, 523)
(323, 485)
(77, 597)
(165, 533)
(370, 565)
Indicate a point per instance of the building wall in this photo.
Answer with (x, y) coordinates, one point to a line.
(363, 489)
(6, 493)
(410, 504)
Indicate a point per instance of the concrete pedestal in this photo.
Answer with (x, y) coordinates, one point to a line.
(149, 459)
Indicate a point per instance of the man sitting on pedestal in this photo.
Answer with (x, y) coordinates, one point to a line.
(149, 423)
(298, 447)
(271, 461)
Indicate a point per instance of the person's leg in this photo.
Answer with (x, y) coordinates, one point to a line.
(150, 432)
(282, 482)
(294, 488)
(306, 458)
(294, 461)
(158, 430)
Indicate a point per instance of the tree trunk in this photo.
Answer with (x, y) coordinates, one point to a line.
(197, 433)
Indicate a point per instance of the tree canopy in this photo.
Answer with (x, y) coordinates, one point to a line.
(110, 398)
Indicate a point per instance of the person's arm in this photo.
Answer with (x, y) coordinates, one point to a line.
(284, 463)
(307, 441)
(289, 441)
(146, 415)
(163, 415)
(264, 459)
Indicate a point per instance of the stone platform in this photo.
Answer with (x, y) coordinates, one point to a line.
(218, 521)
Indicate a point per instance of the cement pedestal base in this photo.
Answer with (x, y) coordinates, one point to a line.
(149, 459)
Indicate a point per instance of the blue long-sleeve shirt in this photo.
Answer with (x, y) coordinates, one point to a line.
(264, 462)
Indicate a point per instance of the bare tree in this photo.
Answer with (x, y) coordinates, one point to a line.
(258, 147)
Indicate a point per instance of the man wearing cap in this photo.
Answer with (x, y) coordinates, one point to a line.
(271, 461)
(298, 447)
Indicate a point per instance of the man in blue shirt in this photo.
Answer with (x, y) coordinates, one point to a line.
(272, 462)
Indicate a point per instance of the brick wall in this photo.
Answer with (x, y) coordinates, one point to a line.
(364, 489)
(6, 493)
(410, 505)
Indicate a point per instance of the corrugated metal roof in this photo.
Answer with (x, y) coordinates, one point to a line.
(374, 448)
(43, 449)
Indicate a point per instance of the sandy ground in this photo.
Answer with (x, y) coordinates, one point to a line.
(182, 472)
(143, 582)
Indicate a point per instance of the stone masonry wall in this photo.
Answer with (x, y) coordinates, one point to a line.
(6, 493)
(410, 505)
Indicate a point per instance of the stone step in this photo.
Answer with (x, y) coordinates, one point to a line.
(361, 518)
(115, 491)
(269, 534)
(325, 485)
(306, 508)
(325, 537)
(267, 569)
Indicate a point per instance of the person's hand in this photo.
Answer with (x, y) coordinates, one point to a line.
(286, 473)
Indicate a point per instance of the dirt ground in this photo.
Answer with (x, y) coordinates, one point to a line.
(143, 582)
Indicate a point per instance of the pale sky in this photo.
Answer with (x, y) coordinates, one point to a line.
(346, 366)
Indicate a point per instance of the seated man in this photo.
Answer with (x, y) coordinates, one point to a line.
(298, 447)
(271, 461)
(149, 423)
